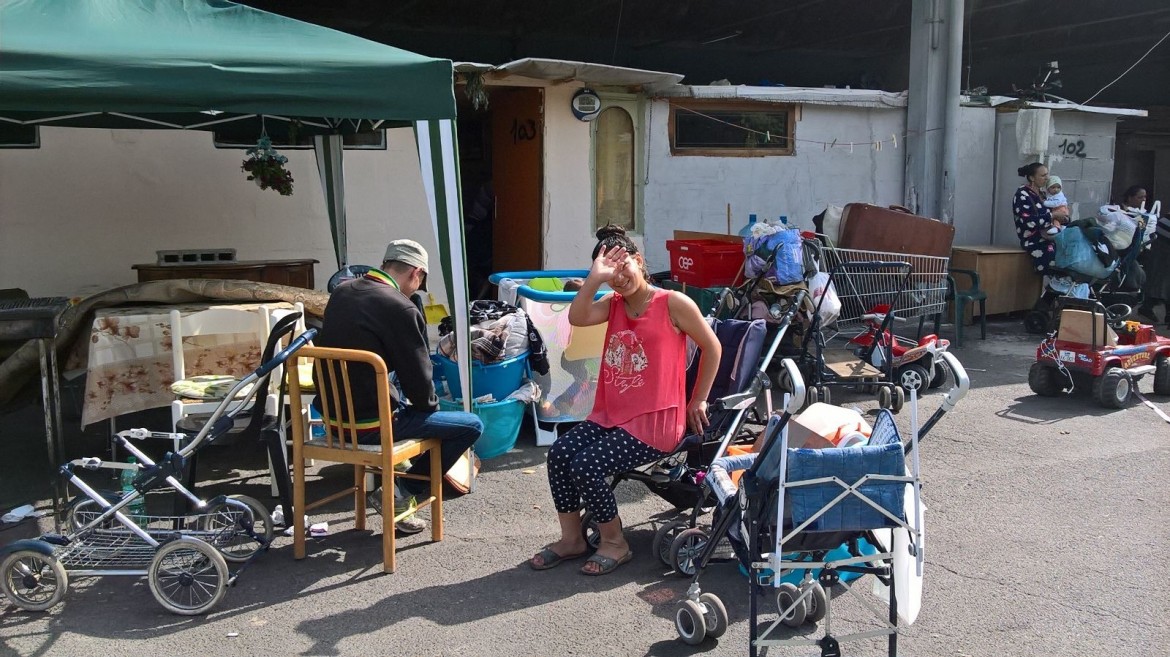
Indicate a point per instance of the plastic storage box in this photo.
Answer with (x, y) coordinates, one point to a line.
(501, 424)
(704, 263)
(497, 379)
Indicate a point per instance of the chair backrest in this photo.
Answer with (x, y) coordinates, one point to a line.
(215, 321)
(333, 373)
(743, 343)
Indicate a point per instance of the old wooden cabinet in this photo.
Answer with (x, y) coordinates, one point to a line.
(294, 273)
(1005, 273)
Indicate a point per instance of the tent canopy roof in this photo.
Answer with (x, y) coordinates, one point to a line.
(189, 63)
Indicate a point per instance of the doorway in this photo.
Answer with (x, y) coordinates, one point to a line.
(501, 151)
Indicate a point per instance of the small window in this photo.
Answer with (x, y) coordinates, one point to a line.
(730, 129)
(14, 135)
(613, 184)
(370, 140)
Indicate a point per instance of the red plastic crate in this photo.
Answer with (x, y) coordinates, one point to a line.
(704, 263)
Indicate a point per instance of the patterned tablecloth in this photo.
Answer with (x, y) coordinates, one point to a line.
(128, 357)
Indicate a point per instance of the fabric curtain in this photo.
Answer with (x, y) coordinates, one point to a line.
(329, 164)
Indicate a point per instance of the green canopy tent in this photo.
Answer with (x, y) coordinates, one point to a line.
(203, 64)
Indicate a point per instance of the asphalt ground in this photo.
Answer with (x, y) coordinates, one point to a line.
(1046, 523)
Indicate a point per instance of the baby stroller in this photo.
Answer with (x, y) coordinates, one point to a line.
(793, 511)
(183, 557)
(740, 383)
(1120, 285)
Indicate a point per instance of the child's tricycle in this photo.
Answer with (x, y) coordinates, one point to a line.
(1098, 348)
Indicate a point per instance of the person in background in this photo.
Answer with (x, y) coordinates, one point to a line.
(1057, 204)
(1032, 219)
(1155, 261)
(640, 411)
(375, 313)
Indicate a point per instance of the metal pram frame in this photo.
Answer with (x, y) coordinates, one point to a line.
(184, 557)
(770, 550)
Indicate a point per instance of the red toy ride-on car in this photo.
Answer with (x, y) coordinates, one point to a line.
(1096, 347)
(917, 364)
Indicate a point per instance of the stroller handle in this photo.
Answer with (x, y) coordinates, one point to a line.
(962, 381)
(798, 390)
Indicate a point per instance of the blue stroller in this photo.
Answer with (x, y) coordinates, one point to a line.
(804, 520)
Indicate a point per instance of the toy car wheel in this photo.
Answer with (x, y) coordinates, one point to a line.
(715, 615)
(899, 399)
(884, 397)
(1112, 389)
(786, 601)
(664, 538)
(227, 526)
(1162, 376)
(590, 531)
(187, 576)
(913, 377)
(1036, 322)
(33, 581)
(818, 602)
(686, 550)
(940, 376)
(1044, 380)
(690, 622)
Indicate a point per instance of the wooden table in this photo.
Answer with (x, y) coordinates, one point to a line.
(294, 273)
(1005, 273)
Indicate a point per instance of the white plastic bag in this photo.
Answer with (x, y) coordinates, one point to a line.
(1118, 226)
(824, 297)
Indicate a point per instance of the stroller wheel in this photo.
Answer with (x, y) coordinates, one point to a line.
(664, 539)
(818, 602)
(590, 531)
(899, 399)
(813, 396)
(1036, 322)
(793, 611)
(686, 549)
(715, 615)
(227, 528)
(187, 576)
(690, 622)
(33, 581)
(884, 397)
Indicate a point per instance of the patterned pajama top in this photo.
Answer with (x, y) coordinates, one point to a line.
(1032, 219)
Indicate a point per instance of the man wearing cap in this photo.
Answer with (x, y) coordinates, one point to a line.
(375, 313)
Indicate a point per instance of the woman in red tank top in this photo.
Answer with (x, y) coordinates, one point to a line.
(640, 411)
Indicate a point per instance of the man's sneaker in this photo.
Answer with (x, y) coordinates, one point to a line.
(411, 524)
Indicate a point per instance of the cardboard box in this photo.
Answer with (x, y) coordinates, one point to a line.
(1077, 326)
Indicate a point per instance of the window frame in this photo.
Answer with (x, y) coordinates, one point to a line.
(634, 105)
(700, 105)
(36, 140)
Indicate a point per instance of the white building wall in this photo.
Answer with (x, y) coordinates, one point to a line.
(568, 183)
(692, 193)
(76, 213)
(975, 181)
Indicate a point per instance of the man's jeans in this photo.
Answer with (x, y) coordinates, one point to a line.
(457, 430)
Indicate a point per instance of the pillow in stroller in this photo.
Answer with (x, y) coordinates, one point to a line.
(850, 465)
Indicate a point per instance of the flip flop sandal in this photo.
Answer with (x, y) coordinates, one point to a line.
(552, 559)
(605, 564)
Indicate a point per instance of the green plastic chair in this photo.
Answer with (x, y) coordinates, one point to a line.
(962, 297)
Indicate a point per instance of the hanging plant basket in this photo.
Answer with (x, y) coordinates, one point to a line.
(265, 166)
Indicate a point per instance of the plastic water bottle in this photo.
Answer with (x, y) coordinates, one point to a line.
(784, 220)
(138, 506)
(746, 231)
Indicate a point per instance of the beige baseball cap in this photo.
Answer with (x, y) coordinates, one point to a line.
(408, 252)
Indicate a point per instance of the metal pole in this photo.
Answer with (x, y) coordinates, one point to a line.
(950, 146)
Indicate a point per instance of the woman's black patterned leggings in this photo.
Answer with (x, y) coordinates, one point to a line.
(580, 460)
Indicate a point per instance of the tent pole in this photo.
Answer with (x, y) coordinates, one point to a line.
(328, 149)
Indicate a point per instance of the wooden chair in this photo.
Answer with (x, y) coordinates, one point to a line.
(340, 444)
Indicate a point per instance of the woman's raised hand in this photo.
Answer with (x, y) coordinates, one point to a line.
(608, 263)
